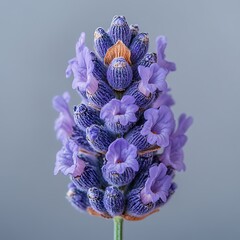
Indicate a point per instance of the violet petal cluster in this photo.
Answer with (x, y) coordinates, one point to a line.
(120, 145)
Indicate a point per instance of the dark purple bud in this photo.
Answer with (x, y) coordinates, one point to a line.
(136, 76)
(145, 161)
(79, 137)
(114, 201)
(117, 179)
(77, 198)
(135, 206)
(136, 138)
(140, 99)
(148, 59)
(117, 128)
(119, 30)
(99, 70)
(119, 74)
(95, 196)
(89, 178)
(102, 42)
(102, 96)
(134, 29)
(140, 180)
(139, 47)
(99, 138)
(85, 116)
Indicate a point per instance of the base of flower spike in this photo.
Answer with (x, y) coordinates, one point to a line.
(132, 218)
(96, 214)
(124, 216)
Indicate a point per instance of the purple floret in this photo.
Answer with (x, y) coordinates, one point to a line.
(122, 111)
(173, 154)
(152, 78)
(68, 162)
(121, 155)
(64, 123)
(82, 68)
(163, 99)
(157, 185)
(161, 42)
(159, 125)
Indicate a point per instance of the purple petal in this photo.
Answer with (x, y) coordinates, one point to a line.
(161, 42)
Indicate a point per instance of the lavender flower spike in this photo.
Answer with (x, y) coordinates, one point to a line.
(161, 42)
(120, 146)
(159, 125)
(64, 123)
(157, 185)
(152, 78)
(82, 68)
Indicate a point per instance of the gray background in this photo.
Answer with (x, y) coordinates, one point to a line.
(38, 37)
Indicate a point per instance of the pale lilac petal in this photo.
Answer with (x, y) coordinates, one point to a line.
(121, 155)
(161, 42)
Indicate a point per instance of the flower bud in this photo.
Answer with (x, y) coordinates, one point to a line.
(135, 206)
(99, 138)
(139, 47)
(117, 179)
(99, 70)
(85, 116)
(102, 42)
(77, 198)
(95, 196)
(89, 178)
(119, 74)
(134, 137)
(134, 29)
(102, 96)
(141, 100)
(148, 59)
(114, 201)
(145, 161)
(119, 30)
(79, 137)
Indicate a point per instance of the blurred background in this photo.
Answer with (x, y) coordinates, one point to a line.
(37, 38)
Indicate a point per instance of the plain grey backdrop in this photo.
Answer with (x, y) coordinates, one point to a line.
(36, 40)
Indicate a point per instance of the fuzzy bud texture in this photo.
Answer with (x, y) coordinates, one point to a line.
(120, 144)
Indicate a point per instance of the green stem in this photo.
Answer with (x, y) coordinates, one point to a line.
(118, 228)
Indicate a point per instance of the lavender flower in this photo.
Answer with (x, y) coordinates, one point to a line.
(82, 68)
(111, 142)
(68, 162)
(152, 78)
(121, 155)
(157, 185)
(64, 123)
(120, 114)
(159, 125)
(173, 154)
(163, 99)
(161, 42)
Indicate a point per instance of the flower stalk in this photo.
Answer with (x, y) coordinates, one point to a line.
(118, 228)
